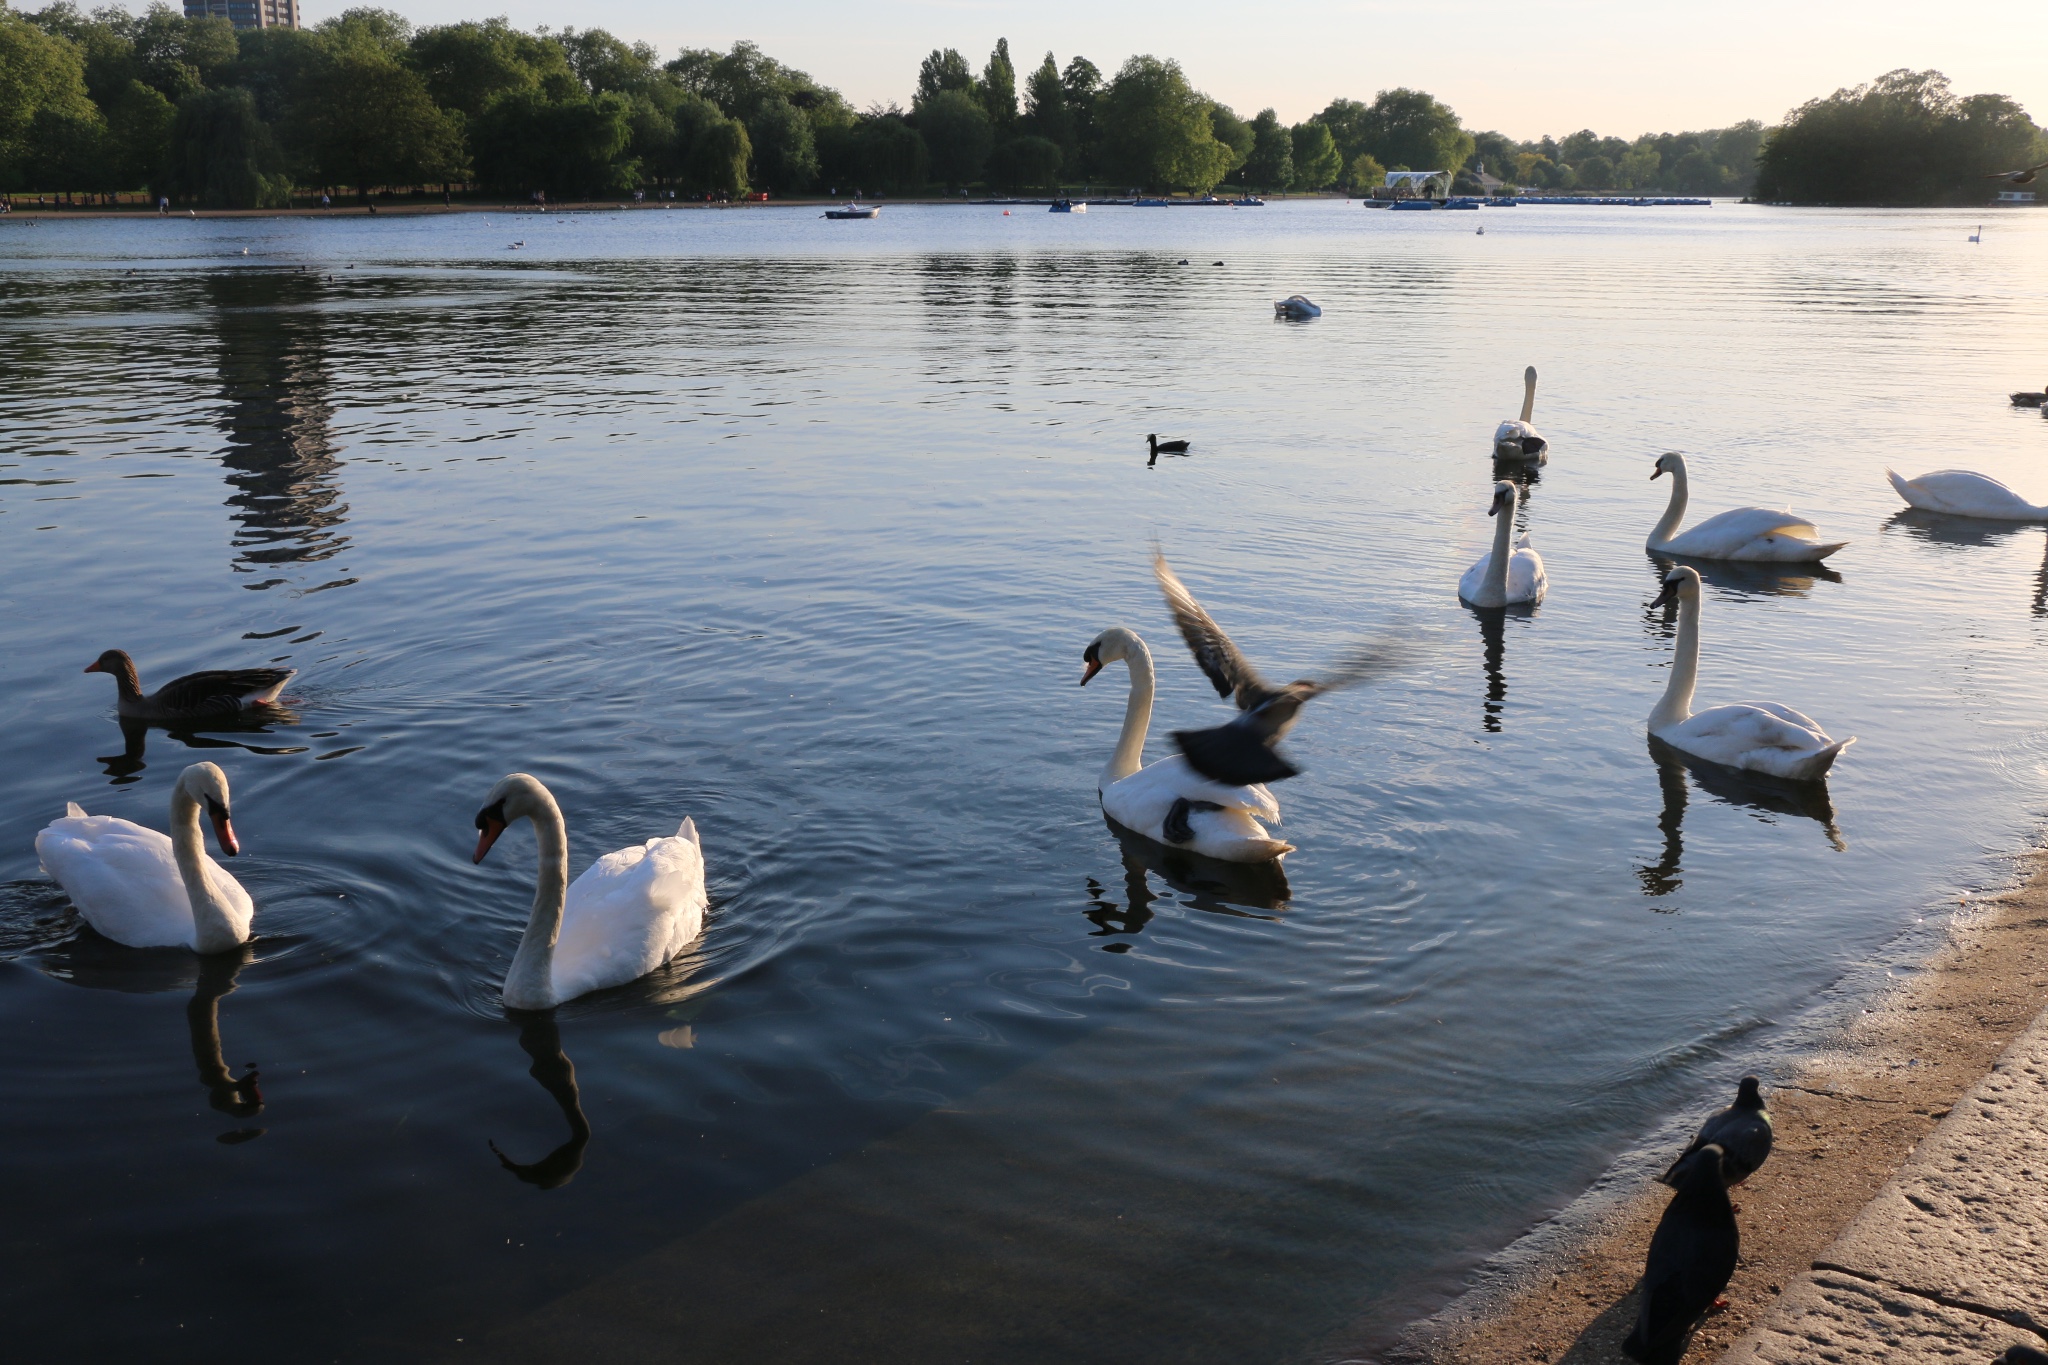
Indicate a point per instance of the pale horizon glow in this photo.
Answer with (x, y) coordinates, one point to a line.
(1526, 71)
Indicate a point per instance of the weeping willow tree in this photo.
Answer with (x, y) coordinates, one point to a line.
(1904, 138)
(223, 156)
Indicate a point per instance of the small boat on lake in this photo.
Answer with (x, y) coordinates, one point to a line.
(1250, 201)
(1067, 206)
(1296, 306)
(855, 211)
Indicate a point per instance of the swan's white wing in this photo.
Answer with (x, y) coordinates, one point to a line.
(629, 912)
(1961, 492)
(1751, 533)
(1473, 581)
(122, 877)
(1526, 580)
(1142, 802)
(1759, 735)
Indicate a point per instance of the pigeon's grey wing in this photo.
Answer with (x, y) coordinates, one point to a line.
(1237, 754)
(1223, 663)
(1368, 661)
(1745, 1144)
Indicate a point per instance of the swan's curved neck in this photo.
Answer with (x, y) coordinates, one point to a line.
(214, 929)
(1676, 704)
(1503, 541)
(529, 985)
(1674, 513)
(1130, 746)
(1528, 398)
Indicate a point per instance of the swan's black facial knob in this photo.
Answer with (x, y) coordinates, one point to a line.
(1092, 657)
(223, 827)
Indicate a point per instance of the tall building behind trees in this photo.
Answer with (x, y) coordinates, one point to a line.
(247, 13)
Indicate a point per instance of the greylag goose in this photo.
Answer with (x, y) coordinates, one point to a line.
(1242, 753)
(212, 695)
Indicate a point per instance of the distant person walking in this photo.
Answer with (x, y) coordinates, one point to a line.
(325, 202)
(163, 205)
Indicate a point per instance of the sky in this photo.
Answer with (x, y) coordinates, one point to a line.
(1523, 69)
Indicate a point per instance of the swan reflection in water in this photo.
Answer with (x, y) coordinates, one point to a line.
(99, 964)
(1733, 578)
(541, 1037)
(1937, 528)
(1493, 640)
(1208, 884)
(1765, 797)
(126, 767)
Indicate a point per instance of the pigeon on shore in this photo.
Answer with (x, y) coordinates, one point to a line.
(1742, 1131)
(1692, 1255)
(2018, 1354)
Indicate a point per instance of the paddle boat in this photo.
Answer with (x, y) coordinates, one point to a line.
(855, 211)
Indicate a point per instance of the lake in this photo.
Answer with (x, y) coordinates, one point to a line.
(799, 528)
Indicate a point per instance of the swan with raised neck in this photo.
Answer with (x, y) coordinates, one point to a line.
(143, 890)
(631, 910)
(1169, 802)
(1760, 736)
(1755, 535)
(1509, 574)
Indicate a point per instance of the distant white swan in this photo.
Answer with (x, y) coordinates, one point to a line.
(1518, 440)
(1960, 493)
(630, 911)
(1760, 736)
(144, 890)
(1754, 535)
(1169, 801)
(1502, 577)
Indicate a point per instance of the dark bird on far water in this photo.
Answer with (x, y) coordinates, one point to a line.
(213, 695)
(2029, 400)
(1742, 1131)
(1243, 752)
(1160, 447)
(2024, 176)
(1692, 1255)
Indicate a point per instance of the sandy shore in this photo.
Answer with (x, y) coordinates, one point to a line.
(1846, 1123)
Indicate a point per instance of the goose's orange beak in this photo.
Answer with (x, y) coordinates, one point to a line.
(94, 667)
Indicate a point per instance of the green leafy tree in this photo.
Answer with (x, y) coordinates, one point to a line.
(41, 77)
(138, 145)
(940, 72)
(1635, 171)
(1366, 174)
(889, 154)
(367, 120)
(277, 66)
(1350, 127)
(1317, 164)
(468, 65)
(785, 150)
(1045, 106)
(1233, 132)
(575, 146)
(1083, 85)
(385, 32)
(999, 90)
(1271, 163)
(1495, 154)
(1904, 138)
(1156, 129)
(1026, 163)
(1411, 128)
(955, 128)
(719, 156)
(1596, 172)
(223, 156)
(68, 151)
(607, 63)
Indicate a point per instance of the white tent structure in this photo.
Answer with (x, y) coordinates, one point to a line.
(1419, 184)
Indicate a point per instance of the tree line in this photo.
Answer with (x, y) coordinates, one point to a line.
(198, 112)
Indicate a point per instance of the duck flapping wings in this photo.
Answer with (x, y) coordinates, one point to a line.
(1243, 752)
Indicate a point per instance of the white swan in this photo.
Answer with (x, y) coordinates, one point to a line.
(1754, 535)
(1760, 736)
(1170, 802)
(1502, 577)
(1960, 493)
(1517, 440)
(139, 888)
(628, 913)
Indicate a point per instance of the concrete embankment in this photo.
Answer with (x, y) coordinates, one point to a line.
(1903, 1216)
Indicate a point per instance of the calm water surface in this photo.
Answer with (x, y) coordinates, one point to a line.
(799, 528)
